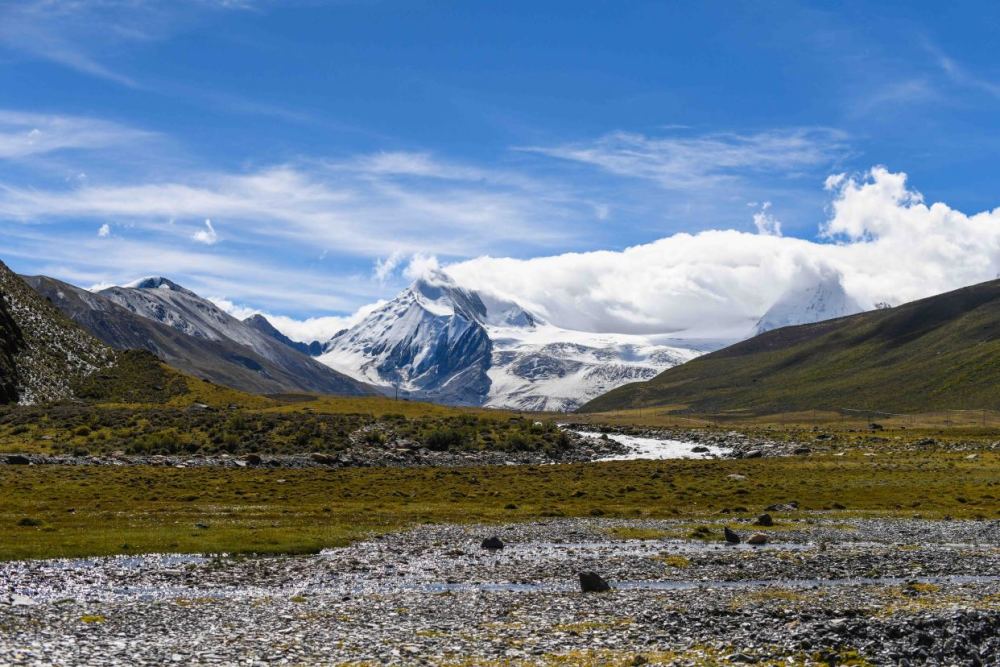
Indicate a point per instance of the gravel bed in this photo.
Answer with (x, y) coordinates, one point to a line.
(891, 591)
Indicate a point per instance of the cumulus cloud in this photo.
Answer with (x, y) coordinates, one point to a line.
(208, 236)
(421, 266)
(885, 242)
(104, 231)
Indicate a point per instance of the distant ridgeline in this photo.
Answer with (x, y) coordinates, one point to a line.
(938, 353)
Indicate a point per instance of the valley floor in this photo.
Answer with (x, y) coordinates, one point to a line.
(824, 591)
(884, 549)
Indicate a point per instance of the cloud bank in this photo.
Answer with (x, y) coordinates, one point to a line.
(886, 243)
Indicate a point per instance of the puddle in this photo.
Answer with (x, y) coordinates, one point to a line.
(655, 449)
(138, 562)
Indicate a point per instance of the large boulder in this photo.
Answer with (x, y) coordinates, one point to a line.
(591, 582)
(731, 536)
(493, 543)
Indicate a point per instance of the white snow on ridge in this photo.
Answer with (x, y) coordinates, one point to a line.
(550, 368)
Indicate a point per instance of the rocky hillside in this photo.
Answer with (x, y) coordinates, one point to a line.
(160, 300)
(938, 353)
(45, 356)
(219, 359)
(10, 343)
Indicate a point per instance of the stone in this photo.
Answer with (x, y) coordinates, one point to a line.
(323, 459)
(731, 536)
(801, 451)
(782, 507)
(492, 543)
(757, 538)
(253, 459)
(753, 454)
(700, 449)
(591, 582)
(18, 460)
(764, 520)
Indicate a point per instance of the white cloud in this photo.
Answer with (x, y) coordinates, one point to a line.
(421, 266)
(207, 235)
(82, 35)
(359, 213)
(24, 134)
(765, 222)
(685, 162)
(384, 268)
(888, 245)
(104, 231)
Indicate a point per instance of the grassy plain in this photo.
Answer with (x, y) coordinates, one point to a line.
(93, 510)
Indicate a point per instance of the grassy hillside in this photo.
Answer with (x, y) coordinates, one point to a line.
(938, 353)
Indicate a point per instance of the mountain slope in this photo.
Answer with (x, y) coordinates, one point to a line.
(438, 341)
(185, 342)
(45, 355)
(942, 352)
(263, 325)
(11, 341)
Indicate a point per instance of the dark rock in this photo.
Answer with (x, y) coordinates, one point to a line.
(591, 582)
(757, 538)
(731, 536)
(753, 454)
(253, 459)
(700, 449)
(18, 460)
(801, 451)
(492, 543)
(764, 520)
(323, 459)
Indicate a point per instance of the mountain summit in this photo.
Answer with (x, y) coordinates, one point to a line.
(819, 296)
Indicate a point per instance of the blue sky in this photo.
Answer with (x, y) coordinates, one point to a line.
(328, 143)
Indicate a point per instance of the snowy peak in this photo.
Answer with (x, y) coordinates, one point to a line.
(158, 282)
(428, 341)
(821, 296)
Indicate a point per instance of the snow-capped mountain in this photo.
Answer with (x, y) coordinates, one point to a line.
(429, 342)
(441, 342)
(821, 298)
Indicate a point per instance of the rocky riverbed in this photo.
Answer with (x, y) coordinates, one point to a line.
(586, 445)
(892, 592)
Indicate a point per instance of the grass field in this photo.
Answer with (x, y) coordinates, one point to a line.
(62, 511)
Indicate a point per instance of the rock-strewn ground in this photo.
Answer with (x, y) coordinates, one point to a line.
(823, 592)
